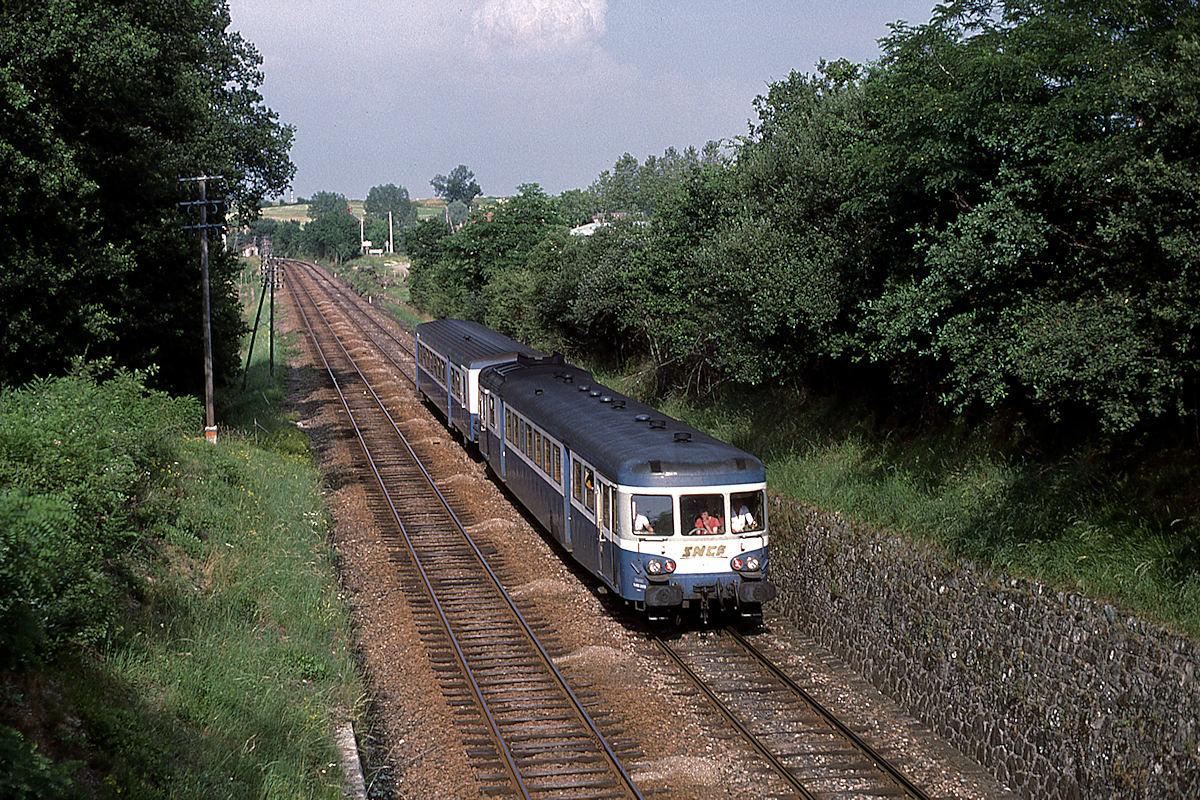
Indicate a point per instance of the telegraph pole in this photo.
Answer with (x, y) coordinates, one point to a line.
(265, 268)
(216, 206)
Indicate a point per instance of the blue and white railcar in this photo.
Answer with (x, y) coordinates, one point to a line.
(450, 355)
(665, 515)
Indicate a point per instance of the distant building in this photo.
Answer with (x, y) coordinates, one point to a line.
(600, 222)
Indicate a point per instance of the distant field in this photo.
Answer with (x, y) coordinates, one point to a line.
(427, 208)
(295, 211)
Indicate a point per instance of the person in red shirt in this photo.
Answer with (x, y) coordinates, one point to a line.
(706, 523)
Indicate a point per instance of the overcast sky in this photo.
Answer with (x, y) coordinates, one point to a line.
(531, 91)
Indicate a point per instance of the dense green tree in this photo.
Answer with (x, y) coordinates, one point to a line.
(452, 278)
(617, 189)
(333, 236)
(377, 233)
(105, 105)
(323, 203)
(460, 185)
(393, 198)
(423, 242)
(577, 206)
(1039, 163)
(457, 213)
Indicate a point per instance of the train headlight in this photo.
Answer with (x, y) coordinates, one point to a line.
(660, 566)
(746, 563)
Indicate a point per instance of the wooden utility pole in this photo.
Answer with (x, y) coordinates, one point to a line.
(210, 421)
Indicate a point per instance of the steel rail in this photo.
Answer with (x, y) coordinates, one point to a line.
(576, 704)
(746, 733)
(899, 778)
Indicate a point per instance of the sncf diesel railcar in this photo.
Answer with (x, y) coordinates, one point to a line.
(450, 355)
(665, 515)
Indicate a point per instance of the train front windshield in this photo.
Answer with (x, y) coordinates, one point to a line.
(700, 514)
(653, 515)
(747, 512)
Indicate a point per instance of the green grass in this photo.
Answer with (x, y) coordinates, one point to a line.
(381, 278)
(226, 655)
(1075, 523)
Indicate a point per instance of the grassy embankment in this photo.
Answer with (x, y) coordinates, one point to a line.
(191, 641)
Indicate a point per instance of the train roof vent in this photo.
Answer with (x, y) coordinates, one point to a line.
(618, 403)
(605, 399)
(583, 387)
(683, 436)
(642, 418)
(594, 393)
(656, 466)
(658, 424)
(539, 391)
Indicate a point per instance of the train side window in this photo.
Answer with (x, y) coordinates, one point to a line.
(576, 479)
(557, 465)
(492, 411)
(537, 449)
(589, 495)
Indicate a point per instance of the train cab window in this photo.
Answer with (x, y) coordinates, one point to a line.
(747, 512)
(702, 514)
(653, 515)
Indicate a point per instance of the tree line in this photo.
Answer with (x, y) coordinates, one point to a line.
(334, 233)
(997, 216)
(105, 105)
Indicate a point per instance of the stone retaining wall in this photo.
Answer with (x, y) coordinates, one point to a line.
(1056, 695)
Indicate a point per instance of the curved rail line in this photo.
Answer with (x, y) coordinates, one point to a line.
(547, 742)
(805, 743)
(390, 346)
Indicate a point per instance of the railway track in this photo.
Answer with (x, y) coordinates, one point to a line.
(393, 342)
(533, 736)
(527, 732)
(819, 755)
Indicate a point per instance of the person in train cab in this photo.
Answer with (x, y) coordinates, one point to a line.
(640, 523)
(707, 523)
(743, 520)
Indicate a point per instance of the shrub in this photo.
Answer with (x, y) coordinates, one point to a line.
(79, 456)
